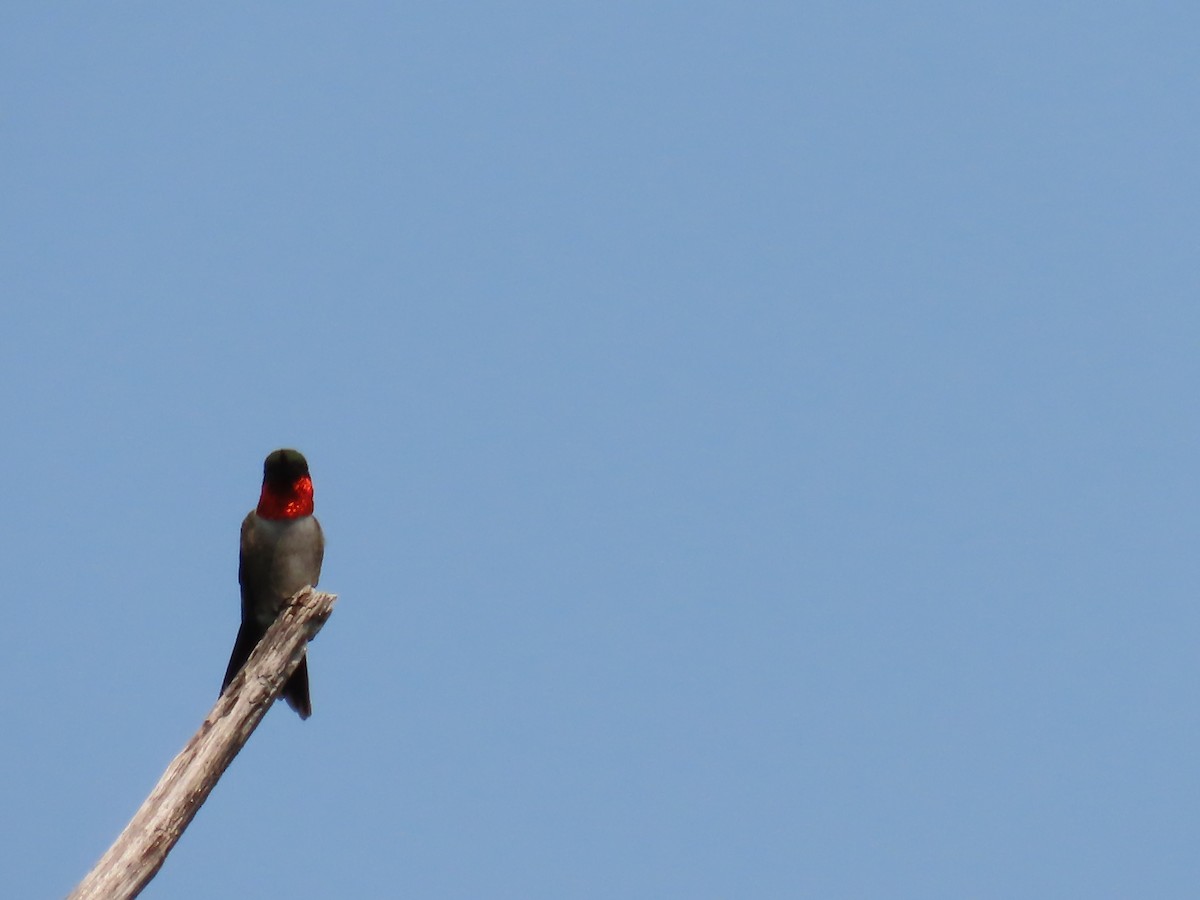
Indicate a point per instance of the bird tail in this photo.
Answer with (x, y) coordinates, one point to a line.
(295, 692)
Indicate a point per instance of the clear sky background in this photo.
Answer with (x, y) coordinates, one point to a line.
(757, 442)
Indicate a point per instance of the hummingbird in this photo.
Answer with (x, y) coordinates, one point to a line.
(281, 552)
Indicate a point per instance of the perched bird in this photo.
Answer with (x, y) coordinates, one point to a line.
(282, 549)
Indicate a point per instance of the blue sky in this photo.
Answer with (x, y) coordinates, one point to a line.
(756, 442)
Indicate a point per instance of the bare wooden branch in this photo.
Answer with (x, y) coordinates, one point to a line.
(139, 851)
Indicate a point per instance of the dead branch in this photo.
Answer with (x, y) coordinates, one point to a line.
(141, 848)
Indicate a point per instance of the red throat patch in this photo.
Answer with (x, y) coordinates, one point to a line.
(292, 502)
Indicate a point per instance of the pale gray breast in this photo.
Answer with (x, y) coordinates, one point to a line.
(296, 557)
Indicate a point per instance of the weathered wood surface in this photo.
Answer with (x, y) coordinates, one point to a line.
(141, 848)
